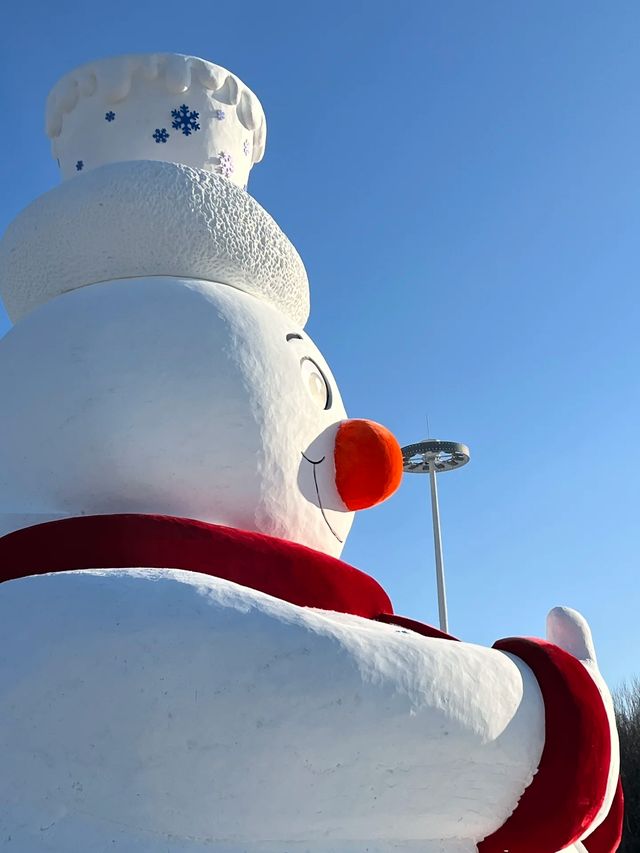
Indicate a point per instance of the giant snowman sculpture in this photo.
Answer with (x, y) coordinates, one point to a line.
(185, 663)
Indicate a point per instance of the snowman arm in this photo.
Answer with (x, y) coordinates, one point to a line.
(575, 785)
(568, 794)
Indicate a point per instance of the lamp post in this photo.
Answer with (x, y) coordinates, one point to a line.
(433, 457)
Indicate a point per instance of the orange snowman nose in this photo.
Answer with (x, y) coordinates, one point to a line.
(368, 463)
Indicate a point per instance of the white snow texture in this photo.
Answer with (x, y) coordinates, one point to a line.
(144, 218)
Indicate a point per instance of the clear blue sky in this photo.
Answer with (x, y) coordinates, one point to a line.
(462, 180)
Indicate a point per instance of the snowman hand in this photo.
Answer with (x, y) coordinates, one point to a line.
(570, 630)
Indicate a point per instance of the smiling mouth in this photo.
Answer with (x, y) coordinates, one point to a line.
(315, 463)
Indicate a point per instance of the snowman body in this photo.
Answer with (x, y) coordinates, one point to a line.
(185, 665)
(165, 706)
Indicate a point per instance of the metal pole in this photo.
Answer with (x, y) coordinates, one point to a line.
(437, 543)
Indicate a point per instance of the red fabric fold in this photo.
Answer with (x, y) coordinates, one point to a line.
(607, 837)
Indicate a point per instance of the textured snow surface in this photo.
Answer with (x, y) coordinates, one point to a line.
(148, 218)
(159, 710)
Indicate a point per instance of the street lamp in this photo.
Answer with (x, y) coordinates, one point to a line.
(433, 457)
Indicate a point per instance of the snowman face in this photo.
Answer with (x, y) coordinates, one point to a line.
(294, 401)
(176, 397)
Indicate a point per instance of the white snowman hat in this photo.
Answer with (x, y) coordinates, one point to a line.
(159, 147)
(157, 106)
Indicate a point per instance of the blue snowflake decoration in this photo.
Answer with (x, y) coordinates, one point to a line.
(225, 164)
(245, 147)
(160, 134)
(79, 165)
(185, 120)
(109, 116)
(219, 114)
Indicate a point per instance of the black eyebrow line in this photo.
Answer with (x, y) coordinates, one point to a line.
(293, 336)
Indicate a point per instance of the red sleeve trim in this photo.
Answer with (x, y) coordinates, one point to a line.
(607, 837)
(569, 787)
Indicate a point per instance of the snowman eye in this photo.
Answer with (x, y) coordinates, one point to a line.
(316, 383)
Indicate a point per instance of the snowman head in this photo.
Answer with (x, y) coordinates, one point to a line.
(192, 399)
